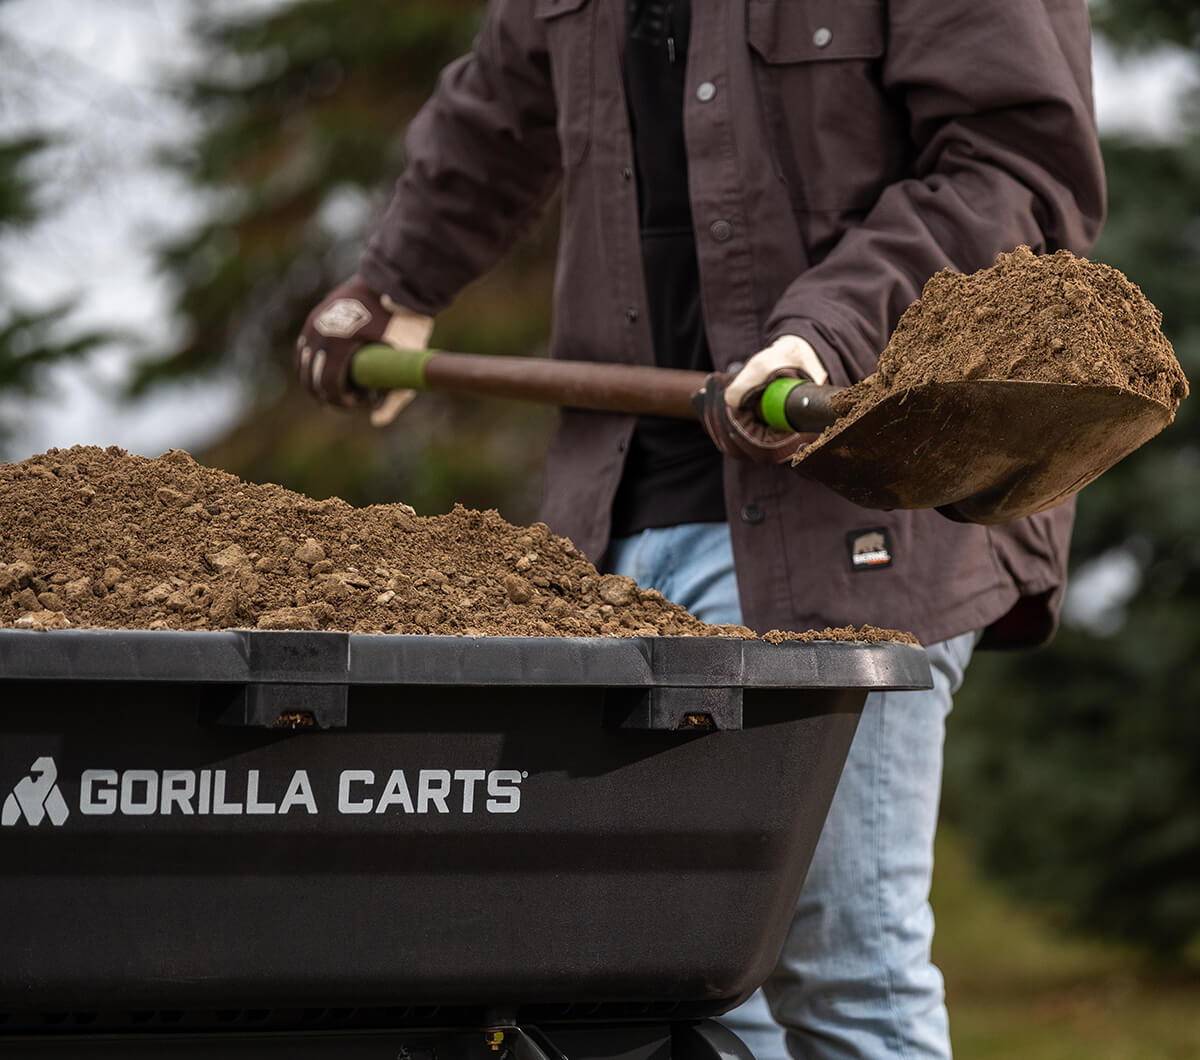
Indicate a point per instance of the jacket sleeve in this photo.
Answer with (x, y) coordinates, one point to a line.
(481, 159)
(1005, 151)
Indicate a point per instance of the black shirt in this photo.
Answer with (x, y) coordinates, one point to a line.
(673, 471)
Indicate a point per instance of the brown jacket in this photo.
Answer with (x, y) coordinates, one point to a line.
(840, 152)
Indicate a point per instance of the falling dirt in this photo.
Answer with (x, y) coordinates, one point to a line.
(1051, 318)
(95, 537)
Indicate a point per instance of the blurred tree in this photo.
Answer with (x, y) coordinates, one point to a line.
(31, 339)
(1075, 771)
(304, 107)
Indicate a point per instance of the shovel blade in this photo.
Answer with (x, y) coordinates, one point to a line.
(982, 451)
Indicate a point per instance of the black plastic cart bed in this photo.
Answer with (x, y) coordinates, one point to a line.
(310, 841)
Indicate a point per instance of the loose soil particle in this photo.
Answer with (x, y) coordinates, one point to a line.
(101, 538)
(1053, 318)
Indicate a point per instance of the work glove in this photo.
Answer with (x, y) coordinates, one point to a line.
(348, 318)
(729, 403)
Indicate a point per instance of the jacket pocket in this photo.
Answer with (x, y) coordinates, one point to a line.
(569, 26)
(837, 137)
(799, 31)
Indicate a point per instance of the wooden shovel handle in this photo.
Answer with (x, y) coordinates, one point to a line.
(574, 384)
(636, 389)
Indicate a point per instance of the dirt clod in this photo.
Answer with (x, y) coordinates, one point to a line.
(310, 552)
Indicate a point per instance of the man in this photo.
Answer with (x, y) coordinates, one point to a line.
(768, 182)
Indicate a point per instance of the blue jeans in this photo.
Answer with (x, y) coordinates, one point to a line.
(855, 979)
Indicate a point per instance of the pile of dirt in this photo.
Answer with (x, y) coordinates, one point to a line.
(95, 537)
(1041, 318)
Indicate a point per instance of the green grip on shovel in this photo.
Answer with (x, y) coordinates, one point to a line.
(380, 367)
(773, 400)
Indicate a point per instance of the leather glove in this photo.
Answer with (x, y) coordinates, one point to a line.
(727, 405)
(348, 318)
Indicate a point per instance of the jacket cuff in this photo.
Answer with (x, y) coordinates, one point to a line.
(384, 279)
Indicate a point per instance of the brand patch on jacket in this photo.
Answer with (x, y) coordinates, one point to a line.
(869, 549)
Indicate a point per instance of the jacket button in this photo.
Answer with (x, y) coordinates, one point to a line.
(822, 37)
(705, 91)
(631, 315)
(626, 173)
(752, 514)
(721, 231)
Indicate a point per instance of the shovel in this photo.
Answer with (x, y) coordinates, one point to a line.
(978, 451)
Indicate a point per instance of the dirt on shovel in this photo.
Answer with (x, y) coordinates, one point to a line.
(1003, 392)
(1053, 318)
